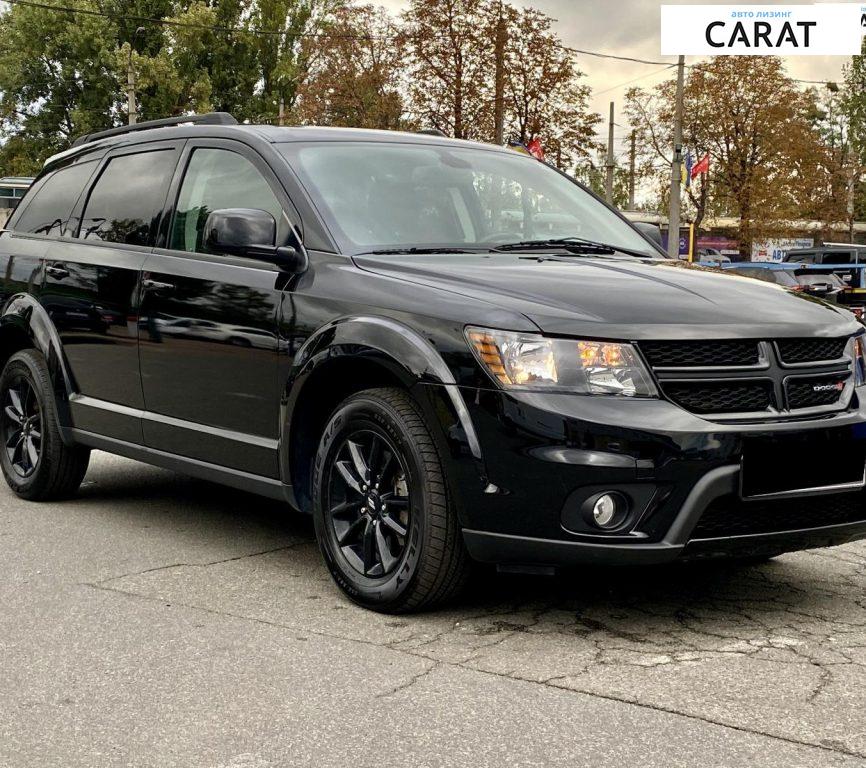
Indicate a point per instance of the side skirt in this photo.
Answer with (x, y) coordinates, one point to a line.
(244, 481)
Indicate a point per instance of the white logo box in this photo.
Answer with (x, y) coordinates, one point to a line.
(820, 29)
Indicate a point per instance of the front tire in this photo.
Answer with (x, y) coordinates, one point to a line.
(383, 520)
(36, 463)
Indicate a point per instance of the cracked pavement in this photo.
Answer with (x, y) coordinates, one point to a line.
(161, 621)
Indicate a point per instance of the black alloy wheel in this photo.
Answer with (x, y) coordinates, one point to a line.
(36, 461)
(22, 427)
(368, 503)
(384, 520)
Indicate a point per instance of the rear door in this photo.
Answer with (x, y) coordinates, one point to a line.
(209, 359)
(41, 218)
(91, 285)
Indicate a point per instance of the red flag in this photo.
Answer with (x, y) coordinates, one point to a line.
(535, 149)
(702, 166)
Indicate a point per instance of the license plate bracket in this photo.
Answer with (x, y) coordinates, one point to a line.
(790, 465)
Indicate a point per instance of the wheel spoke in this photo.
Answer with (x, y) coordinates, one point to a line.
(361, 468)
(13, 415)
(373, 459)
(35, 433)
(395, 525)
(400, 502)
(385, 557)
(353, 532)
(32, 452)
(387, 456)
(369, 544)
(14, 438)
(348, 476)
(344, 509)
(16, 454)
(17, 404)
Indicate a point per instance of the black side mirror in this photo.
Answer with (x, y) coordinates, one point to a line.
(251, 232)
(236, 230)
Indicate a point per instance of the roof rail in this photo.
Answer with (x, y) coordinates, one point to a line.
(432, 132)
(211, 118)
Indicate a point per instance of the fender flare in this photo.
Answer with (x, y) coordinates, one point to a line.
(398, 348)
(22, 313)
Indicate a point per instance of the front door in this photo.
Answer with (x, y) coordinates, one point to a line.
(209, 321)
(91, 285)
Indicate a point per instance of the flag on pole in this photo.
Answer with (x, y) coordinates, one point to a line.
(535, 149)
(687, 169)
(702, 166)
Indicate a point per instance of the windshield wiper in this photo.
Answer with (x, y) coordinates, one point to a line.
(415, 249)
(572, 245)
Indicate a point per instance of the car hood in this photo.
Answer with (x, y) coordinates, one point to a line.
(620, 298)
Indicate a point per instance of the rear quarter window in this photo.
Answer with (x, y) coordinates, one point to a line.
(49, 203)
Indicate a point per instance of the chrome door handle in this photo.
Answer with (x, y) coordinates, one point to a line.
(155, 285)
(57, 271)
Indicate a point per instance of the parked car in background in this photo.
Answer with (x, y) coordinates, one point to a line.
(712, 254)
(791, 276)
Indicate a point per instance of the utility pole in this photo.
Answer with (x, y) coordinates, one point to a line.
(610, 165)
(130, 90)
(281, 119)
(499, 81)
(131, 109)
(631, 162)
(676, 167)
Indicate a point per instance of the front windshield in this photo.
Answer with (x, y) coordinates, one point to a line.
(380, 196)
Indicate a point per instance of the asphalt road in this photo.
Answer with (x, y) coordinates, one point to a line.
(162, 621)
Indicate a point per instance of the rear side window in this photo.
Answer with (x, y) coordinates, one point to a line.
(48, 206)
(127, 198)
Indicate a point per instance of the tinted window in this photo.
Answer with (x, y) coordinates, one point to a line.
(837, 257)
(127, 198)
(47, 207)
(220, 178)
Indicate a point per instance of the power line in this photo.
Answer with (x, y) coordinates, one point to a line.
(190, 25)
(338, 35)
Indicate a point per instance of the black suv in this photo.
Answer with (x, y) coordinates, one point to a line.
(443, 351)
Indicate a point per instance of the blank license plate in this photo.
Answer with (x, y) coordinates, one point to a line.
(786, 463)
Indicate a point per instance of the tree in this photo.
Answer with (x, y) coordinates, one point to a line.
(757, 126)
(450, 66)
(57, 80)
(282, 57)
(545, 97)
(354, 73)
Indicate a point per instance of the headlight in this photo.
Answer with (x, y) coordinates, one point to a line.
(530, 361)
(857, 350)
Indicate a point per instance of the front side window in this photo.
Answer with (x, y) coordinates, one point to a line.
(50, 202)
(215, 179)
(383, 195)
(127, 198)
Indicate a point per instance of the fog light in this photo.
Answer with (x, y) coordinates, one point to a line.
(604, 510)
(608, 510)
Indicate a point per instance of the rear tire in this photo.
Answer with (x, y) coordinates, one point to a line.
(383, 520)
(36, 463)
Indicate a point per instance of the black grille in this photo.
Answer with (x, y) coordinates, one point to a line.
(802, 394)
(721, 397)
(731, 516)
(689, 354)
(811, 350)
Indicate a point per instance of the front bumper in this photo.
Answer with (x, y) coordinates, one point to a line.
(543, 453)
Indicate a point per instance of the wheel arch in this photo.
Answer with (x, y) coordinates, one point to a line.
(24, 324)
(350, 355)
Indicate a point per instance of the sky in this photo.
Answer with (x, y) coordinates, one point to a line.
(632, 28)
